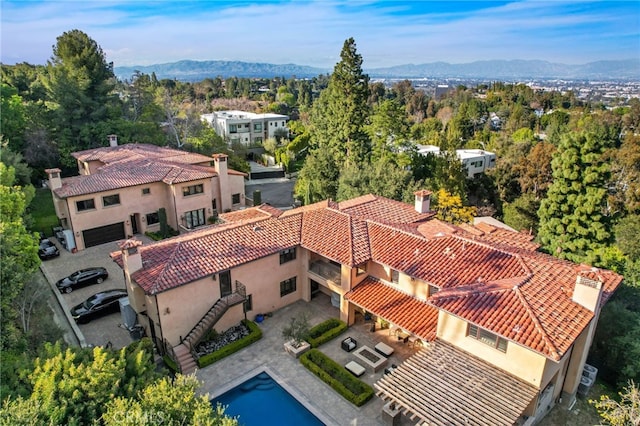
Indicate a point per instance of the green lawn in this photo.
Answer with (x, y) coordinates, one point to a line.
(42, 212)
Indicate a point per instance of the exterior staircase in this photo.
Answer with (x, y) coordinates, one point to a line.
(184, 359)
(183, 352)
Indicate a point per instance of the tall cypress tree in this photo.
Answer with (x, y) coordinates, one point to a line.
(573, 219)
(340, 114)
(338, 119)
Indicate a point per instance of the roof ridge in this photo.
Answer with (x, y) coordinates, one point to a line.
(167, 265)
(553, 350)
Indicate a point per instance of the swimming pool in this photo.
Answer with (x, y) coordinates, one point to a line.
(260, 400)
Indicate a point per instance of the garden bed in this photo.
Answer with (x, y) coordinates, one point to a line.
(352, 389)
(325, 331)
(227, 343)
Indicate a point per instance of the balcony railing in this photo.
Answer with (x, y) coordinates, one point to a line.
(327, 271)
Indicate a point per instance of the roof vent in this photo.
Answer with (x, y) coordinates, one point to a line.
(257, 228)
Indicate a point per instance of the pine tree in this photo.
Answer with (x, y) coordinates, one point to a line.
(79, 83)
(339, 116)
(572, 216)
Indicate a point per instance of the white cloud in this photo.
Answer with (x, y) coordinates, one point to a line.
(312, 33)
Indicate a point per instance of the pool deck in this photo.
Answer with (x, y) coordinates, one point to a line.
(268, 354)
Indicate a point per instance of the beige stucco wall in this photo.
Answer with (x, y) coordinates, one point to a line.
(181, 308)
(517, 360)
(236, 186)
(131, 202)
(262, 279)
(193, 202)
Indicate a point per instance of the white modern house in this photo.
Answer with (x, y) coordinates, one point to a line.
(247, 128)
(475, 161)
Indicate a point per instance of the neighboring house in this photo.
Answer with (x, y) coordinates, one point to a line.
(247, 128)
(120, 190)
(475, 161)
(510, 323)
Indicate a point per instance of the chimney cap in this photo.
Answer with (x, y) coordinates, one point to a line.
(129, 244)
(423, 193)
(49, 171)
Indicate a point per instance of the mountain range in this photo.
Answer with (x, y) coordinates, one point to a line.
(188, 70)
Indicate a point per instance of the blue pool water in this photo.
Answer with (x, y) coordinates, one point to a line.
(262, 401)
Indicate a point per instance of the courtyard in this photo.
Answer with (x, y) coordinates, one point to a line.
(268, 354)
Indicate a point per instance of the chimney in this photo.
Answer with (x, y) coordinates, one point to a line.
(423, 201)
(220, 165)
(587, 292)
(131, 258)
(113, 140)
(55, 181)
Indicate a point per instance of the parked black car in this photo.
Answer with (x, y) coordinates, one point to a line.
(100, 304)
(47, 249)
(82, 278)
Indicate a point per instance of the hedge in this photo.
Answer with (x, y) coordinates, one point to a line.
(255, 334)
(351, 388)
(171, 364)
(325, 331)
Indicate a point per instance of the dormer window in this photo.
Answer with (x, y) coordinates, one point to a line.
(395, 276)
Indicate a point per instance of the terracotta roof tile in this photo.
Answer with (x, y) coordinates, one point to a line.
(401, 309)
(187, 258)
(382, 209)
(445, 261)
(493, 279)
(329, 233)
(131, 173)
(111, 154)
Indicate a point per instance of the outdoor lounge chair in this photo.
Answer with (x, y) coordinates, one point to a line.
(355, 368)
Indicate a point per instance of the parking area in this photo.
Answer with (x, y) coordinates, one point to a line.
(99, 331)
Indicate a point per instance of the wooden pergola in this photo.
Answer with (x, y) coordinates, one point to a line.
(443, 385)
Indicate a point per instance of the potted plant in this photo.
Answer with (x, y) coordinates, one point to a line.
(296, 332)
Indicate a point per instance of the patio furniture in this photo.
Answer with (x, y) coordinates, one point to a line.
(355, 368)
(413, 341)
(349, 344)
(389, 370)
(384, 349)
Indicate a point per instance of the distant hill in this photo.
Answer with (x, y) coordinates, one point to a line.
(199, 70)
(188, 70)
(498, 69)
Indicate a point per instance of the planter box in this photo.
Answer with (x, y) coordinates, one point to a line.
(296, 351)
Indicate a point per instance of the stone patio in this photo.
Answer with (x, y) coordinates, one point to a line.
(268, 354)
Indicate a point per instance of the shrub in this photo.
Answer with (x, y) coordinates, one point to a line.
(325, 331)
(157, 236)
(171, 364)
(297, 330)
(351, 388)
(254, 335)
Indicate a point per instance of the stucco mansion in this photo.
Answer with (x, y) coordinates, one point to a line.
(506, 328)
(121, 189)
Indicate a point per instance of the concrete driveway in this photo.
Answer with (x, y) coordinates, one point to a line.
(100, 331)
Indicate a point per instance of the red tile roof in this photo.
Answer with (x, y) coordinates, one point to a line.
(401, 309)
(137, 164)
(111, 154)
(132, 173)
(377, 208)
(488, 276)
(190, 257)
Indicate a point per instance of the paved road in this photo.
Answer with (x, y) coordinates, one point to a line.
(277, 192)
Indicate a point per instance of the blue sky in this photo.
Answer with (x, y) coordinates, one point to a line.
(312, 32)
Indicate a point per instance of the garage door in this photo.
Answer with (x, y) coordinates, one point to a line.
(103, 234)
